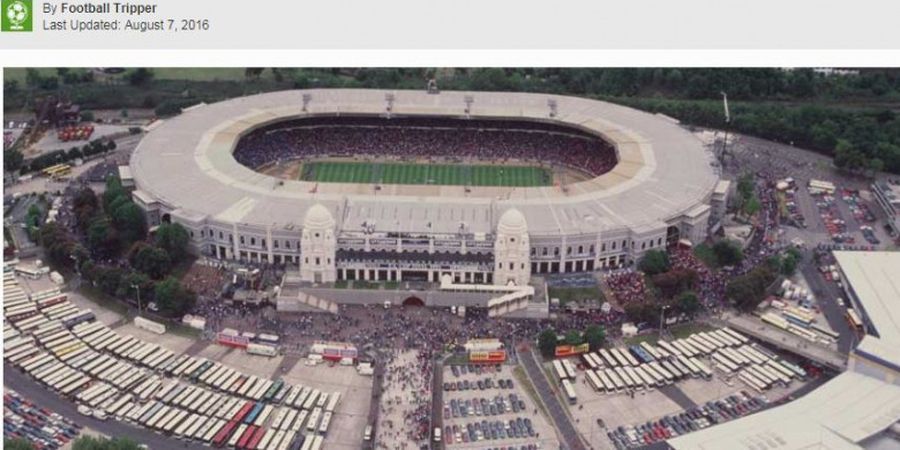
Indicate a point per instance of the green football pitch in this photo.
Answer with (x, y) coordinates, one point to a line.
(412, 173)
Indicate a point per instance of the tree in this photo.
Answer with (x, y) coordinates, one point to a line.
(654, 262)
(87, 116)
(172, 298)
(547, 343)
(12, 160)
(17, 444)
(688, 303)
(173, 238)
(130, 222)
(573, 337)
(728, 253)
(102, 443)
(751, 206)
(151, 260)
(58, 244)
(140, 76)
(595, 335)
(102, 239)
(746, 291)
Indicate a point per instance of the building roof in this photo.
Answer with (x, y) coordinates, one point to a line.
(838, 415)
(874, 278)
(318, 217)
(512, 222)
(664, 171)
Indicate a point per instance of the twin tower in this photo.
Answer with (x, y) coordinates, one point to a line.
(318, 245)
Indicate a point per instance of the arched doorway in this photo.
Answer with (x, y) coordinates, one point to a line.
(413, 301)
(166, 218)
(673, 234)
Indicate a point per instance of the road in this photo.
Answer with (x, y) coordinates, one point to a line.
(561, 422)
(826, 294)
(21, 383)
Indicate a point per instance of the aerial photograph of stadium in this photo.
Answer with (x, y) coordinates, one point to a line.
(451, 258)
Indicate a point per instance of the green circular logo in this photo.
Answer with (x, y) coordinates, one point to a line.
(17, 13)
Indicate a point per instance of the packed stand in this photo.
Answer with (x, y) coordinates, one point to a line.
(435, 139)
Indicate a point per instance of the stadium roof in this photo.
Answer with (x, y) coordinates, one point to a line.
(874, 278)
(838, 415)
(664, 171)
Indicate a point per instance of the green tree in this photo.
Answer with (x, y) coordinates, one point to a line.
(102, 443)
(57, 243)
(12, 160)
(87, 116)
(654, 262)
(688, 303)
(17, 444)
(172, 298)
(751, 206)
(573, 337)
(130, 222)
(151, 260)
(595, 336)
(746, 291)
(173, 238)
(547, 343)
(728, 253)
(102, 239)
(140, 76)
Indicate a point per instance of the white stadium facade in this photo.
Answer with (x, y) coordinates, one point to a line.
(662, 188)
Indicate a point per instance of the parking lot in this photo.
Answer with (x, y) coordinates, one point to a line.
(485, 407)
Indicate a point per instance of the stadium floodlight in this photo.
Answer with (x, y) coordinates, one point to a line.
(552, 104)
(469, 100)
(389, 99)
(306, 99)
(727, 122)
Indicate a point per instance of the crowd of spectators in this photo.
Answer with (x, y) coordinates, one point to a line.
(711, 288)
(627, 285)
(495, 141)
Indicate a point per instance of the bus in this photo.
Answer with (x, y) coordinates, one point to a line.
(658, 379)
(569, 392)
(737, 336)
(779, 368)
(594, 381)
(798, 371)
(608, 385)
(326, 420)
(616, 380)
(333, 402)
(607, 358)
(589, 361)
(569, 368)
(626, 379)
(669, 367)
(751, 381)
(692, 368)
(558, 370)
(653, 351)
(725, 337)
(824, 331)
(670, 347)
(313, 422)
(622, 360)
(798, 318)
(724, 362)
(648, 379)
(636, 380)
(705, 371)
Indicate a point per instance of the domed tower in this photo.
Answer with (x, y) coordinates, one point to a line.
(512, 260)
(317, 246)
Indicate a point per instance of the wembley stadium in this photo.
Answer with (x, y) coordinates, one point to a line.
(484, 188)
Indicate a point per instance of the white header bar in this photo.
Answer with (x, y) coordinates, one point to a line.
(460, 24)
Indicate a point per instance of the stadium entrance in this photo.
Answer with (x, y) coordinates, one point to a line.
(413, 301)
